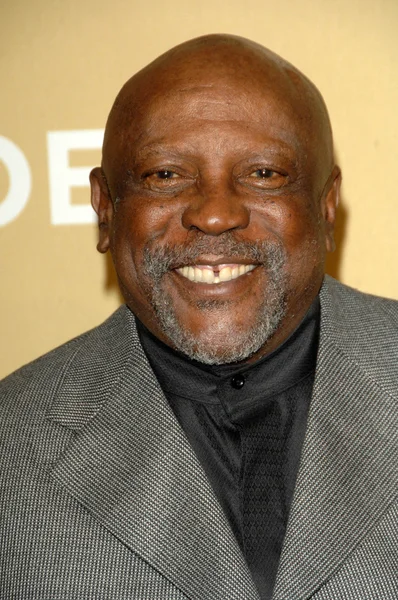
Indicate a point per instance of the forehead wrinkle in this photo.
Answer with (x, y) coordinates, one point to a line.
(244, 112)
(223, 102)
(258, 143)
(209, 103)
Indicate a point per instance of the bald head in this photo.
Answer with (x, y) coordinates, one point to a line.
(217, 197)
(234, 64)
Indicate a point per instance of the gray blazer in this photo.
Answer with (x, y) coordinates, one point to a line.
(102, 497)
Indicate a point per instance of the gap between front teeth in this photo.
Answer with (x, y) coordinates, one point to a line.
(207, 275)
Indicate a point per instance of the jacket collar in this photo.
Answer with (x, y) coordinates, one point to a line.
(347, 478)
(131, 466)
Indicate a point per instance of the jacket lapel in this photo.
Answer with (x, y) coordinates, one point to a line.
(131, 466)
(347, 478)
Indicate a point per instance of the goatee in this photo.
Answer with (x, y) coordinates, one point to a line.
(242, 343)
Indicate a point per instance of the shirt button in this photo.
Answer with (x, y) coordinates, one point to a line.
(238, 381)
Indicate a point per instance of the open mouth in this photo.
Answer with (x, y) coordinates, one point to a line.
(214, 274)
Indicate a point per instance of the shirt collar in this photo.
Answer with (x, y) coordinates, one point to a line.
(292, 361)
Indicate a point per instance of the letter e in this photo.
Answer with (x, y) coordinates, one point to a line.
(62, 177)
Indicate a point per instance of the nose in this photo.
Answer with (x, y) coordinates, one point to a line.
(216, 210)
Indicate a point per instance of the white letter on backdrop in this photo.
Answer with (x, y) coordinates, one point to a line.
(62, 177)
(20, 181)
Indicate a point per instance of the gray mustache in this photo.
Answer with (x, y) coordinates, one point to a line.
(159, 260)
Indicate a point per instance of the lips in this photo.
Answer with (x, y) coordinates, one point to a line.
(212, 266)
(214, 274)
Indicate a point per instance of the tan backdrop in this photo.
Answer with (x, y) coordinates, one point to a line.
(61, 64)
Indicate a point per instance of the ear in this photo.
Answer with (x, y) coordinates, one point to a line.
(329, 204)
(102, 204)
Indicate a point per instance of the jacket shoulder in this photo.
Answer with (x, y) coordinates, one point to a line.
(365, 328)
(351, 305)
(37, 382)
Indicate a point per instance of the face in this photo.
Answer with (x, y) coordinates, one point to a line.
(218, 215)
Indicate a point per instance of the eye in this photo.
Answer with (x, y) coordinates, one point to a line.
(165, 180)
(265, 178)
(263, 173)
(159, 176)
(164, 174)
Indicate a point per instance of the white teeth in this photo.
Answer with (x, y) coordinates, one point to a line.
(211, 275)
(225, 274)
(208, 275)
(198, 274)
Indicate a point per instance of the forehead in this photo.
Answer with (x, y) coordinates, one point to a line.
(255, 99)
(249, 112)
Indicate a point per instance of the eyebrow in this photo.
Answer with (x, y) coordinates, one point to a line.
(158, 148)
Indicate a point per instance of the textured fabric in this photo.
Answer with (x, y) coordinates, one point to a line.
(102, 496)
(348, 478)
(265, 479)
(113, 467)
(249, 438)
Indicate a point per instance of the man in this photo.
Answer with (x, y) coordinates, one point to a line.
(231, 433)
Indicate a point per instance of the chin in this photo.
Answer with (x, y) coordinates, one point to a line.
(224, 342)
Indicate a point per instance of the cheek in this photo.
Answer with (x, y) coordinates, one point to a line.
(305, 241)
(292, 220)
(127, 239)
(135, 226)
(307, 255)
(141, 222)
(297, 224)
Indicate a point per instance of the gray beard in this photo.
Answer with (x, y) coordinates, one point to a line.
(238, 345)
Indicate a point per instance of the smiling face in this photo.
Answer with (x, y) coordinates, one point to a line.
(214, 202)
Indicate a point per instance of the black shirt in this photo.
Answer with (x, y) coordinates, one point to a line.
(246, 424)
